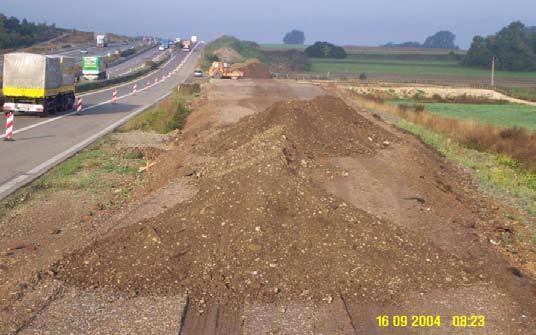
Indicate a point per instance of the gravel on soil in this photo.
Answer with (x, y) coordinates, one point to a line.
(260, 230)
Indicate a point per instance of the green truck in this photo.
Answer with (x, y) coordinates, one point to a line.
(94, 68)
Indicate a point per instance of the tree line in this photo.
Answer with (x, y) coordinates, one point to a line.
(15, 33)
(514, 48)
(441, 40)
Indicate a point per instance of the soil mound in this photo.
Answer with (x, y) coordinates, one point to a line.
(260, 229)
(324, 126)
(257, 71)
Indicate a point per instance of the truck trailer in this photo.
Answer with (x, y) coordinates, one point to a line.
(38, 83)
(94, 67)
(102, 41)
(186, 45)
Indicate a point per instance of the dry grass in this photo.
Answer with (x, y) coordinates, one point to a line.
(517, 143)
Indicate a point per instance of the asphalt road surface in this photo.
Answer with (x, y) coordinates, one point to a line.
(40, 143)
(133, 63)
(94, 51)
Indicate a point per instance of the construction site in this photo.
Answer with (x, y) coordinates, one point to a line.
(280, 208)
(202, 190)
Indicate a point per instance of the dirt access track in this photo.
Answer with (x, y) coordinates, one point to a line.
(280, 209)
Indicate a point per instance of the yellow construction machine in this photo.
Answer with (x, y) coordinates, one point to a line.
(222, 70)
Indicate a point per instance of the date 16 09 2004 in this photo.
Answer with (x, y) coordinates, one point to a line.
(456, 321)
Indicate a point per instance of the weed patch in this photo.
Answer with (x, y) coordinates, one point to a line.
(167, 116)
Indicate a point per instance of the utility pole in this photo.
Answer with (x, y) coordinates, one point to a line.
(493, 59)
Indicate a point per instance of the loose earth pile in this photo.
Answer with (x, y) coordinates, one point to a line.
(260, 230)
(257, 70)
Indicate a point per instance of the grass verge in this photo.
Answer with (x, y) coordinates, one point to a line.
(99, 168)
(497, 173)
(165, 117)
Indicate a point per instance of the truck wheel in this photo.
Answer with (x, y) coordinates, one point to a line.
(218, 75)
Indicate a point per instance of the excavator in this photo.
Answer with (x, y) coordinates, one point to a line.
(222, 70)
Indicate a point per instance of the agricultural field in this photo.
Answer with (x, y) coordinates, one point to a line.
(416, 65)
(506, 115)
(277, 47)
(438, 66)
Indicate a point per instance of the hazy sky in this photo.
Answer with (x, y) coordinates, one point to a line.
(355, 22)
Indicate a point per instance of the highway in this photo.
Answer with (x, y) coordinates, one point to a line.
(41, 143)
(94, 51)
(133, 63)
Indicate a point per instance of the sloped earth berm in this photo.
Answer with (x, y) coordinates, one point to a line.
(260, 230)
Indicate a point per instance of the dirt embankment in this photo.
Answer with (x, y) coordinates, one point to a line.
(433, 92)
(253, 69)
(314, 205)
(260, 229)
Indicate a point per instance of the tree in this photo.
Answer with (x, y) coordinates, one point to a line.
(294, 37)
(15, 33)
(325, 50)
(441, 40)
(514, 46)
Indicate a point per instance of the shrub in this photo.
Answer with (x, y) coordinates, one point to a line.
(418, 108)
(325, 50)
(163, 118)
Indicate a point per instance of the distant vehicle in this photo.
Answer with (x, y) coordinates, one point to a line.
(102, 41)
(83, 51)
(186, 45)
(38, 83)
(177, 40)
(194, 39)
(164, 44)
(198, 73)
(94, 68)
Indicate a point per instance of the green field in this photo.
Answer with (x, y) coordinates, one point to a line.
(507, 115)
(402, 62)
(384, 64)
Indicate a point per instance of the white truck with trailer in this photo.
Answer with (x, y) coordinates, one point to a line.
(43, 84)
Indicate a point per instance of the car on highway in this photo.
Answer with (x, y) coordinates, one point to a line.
(198, 73)
(83, 51)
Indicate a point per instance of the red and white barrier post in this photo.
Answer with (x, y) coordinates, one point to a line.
(114, 96)
(9, 126)
(134, 88)
(79, 105)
